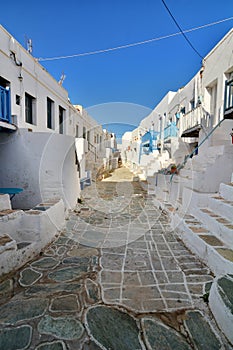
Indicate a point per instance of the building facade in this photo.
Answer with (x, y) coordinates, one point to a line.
(187, 120)
(38, 128)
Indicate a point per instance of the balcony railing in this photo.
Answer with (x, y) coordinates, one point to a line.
(170, 131)
(5, 105)
(228, 101)
(190, 123)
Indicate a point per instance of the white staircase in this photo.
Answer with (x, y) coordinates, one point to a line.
(203, 173)
(208, 230)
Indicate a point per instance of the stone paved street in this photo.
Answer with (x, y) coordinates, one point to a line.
(117, 278)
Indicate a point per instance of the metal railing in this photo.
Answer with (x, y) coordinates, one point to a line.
(5, 104)
(148, 143)
(170, 131)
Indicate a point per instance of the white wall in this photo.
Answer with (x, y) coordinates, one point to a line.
(35, 80)
(43, 164)
(160, 109)
(38, 83)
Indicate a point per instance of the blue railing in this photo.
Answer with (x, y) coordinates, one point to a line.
(5, 104)
(148, 143)
(170, 131)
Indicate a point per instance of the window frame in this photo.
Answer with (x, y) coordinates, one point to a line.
(61, 116)
(50, 113)
(30, 109)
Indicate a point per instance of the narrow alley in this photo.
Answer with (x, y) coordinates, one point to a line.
(116, 278)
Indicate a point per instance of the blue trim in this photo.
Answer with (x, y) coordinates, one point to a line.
(171, 131)
(11, 191)
(5, 104)
(148, 143)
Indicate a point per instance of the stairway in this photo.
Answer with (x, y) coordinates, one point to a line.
(208, 231)
(203, 173)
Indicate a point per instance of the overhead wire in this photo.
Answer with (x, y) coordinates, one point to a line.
(181, 30)
(88, 53)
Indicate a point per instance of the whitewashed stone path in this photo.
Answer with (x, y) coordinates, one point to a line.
(116, 278)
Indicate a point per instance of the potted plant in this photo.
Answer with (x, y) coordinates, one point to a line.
(174, 169)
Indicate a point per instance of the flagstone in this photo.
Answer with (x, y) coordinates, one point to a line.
(112, 328)
(70, 273)
(66, 303)
(108, 276)
(201, 332)
(62, 327)
(159, 336)
(47, 289)
(93, 292)
(29, 277)
(15, 311)
(55, 345)
(45, 263)
(76, 260)
(15, 338)
(6, 288)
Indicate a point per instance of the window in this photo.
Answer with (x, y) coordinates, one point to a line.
(182, 110)
(84, 132)
(88, 136)
(17, 100)
(61, 120)
(192, 104)
(4, 83)
(29, 109)
(50, 113)
(77, 131)
(212, 98)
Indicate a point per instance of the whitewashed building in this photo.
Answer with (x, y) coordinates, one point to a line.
(38, 127)
(186, 118)
(47, 150)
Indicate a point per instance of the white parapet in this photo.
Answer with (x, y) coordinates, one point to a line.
(220, 302)
(5, 202)
(27, 233)
(226, 191)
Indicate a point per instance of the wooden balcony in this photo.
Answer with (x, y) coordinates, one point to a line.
(190, 123)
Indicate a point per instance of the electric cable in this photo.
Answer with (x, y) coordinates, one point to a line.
(181, 30)
(41, 59)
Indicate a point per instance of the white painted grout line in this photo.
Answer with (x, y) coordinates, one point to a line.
(154, 275)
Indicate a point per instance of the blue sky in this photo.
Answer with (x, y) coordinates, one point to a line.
(137, 76)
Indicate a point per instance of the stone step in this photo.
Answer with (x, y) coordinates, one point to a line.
(219, 225)
(217, 255)
(6, 243)
(226, 191)
(221, 206)
(191, 173)
(10, 214)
